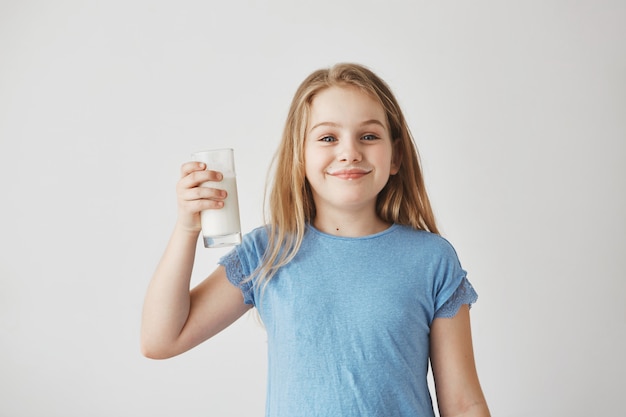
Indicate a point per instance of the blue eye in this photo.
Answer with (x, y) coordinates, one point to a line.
(369, 137)
(327, 139)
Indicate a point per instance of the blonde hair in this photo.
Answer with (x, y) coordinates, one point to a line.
(403, 200)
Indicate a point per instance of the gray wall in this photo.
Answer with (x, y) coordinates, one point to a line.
(519, 111)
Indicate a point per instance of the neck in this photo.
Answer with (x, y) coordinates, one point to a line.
(349, 225)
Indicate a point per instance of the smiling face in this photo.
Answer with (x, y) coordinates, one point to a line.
(348, 150)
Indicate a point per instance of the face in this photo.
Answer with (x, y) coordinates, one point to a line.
(348, 150)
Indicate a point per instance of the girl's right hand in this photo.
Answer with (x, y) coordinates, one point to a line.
(193, 198)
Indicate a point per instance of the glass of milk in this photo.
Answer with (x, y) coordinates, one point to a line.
(221, 227)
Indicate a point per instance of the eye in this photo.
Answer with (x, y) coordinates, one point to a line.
(369, 137)
(327, 138)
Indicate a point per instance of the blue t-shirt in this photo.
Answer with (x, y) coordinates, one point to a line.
(348, 319)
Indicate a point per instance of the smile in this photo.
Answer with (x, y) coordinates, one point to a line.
(349, 174)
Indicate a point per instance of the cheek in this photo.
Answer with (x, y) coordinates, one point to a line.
(310, 163)
(313, 158)
(386, 159)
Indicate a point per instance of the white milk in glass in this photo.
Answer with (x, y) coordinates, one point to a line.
(224, 221)
(221, 227)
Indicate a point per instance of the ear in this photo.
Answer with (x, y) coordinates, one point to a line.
(396, 156)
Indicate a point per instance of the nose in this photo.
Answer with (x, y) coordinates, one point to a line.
(349, 151)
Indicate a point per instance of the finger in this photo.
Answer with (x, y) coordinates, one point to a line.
(189, 167)
(196, 206)
(203, 193)
(197, 178)
(193, 166)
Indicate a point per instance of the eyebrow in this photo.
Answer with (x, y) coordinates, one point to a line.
(365, 123)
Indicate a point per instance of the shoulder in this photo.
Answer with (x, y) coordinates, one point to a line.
(258, 234)
(423, 240)
(241, 261)
(255, 240)
(251, 250)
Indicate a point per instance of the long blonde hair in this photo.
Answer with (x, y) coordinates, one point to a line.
(403, 200)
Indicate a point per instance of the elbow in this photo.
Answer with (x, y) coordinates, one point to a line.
(153, 350)
(150, 353)
(154, 353)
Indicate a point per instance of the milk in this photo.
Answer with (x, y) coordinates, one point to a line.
(224, 221)
(220, 227)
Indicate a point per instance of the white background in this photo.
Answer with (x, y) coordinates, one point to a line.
(519, 112)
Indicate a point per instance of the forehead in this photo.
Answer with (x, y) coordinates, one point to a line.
(345, 103)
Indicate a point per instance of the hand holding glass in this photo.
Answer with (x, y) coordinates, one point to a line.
(221, 227)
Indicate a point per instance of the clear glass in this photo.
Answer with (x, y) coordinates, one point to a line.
(221, 227)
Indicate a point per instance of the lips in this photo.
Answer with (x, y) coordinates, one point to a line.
(349, 173)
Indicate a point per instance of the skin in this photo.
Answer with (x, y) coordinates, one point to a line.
(348, 160)
(349, 156)
(175, 319)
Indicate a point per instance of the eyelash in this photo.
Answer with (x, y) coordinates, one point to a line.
(370, 137)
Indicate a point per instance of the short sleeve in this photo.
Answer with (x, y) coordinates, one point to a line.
(236, 276)
(464, 294)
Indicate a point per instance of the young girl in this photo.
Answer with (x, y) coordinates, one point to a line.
(355, 287)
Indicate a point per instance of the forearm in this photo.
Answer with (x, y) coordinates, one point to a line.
(473, 410)
(167, 301)
(459, 393)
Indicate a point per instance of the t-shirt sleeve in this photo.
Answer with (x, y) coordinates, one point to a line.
(452, 288)
(242, 261)
(464, 294)
(236, 275)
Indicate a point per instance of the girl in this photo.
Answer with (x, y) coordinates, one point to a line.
(355, 286)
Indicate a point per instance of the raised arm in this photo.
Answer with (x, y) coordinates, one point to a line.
(176, 319)
(454, 370)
